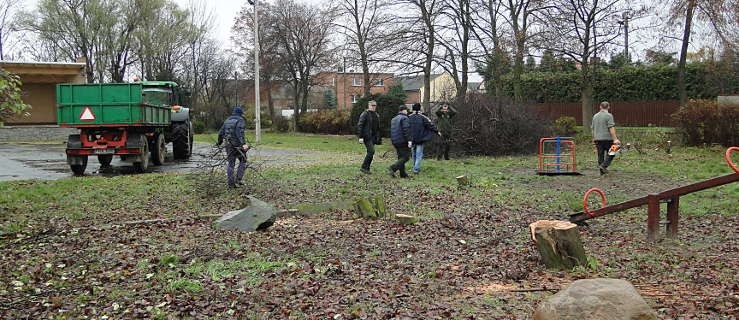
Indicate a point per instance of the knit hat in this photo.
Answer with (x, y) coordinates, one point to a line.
(416, 107)
(238, 110)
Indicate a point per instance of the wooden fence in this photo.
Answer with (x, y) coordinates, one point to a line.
(630, 113)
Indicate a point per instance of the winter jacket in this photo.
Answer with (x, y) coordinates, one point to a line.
(444, 121)
(422, 129)
(400, 130)
(232, 131)
(368, 126)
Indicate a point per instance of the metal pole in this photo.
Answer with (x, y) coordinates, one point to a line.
(257, 109)
(236, 88)
(626, 36)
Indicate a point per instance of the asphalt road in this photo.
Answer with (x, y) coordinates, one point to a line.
(48, 161)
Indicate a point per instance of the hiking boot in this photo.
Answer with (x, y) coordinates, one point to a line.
(602, 170)
(391, 172)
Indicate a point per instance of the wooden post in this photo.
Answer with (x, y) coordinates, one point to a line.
(559, 243)
(652, 216)
(673, 216)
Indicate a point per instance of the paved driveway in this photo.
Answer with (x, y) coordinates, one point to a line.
(48, 162)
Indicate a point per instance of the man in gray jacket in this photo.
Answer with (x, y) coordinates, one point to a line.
(604, 136)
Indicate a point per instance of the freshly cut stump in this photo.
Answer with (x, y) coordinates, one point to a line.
(559, 244)
(462, 181)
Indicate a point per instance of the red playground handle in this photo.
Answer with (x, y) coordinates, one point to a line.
(728, 158)
(585, 200)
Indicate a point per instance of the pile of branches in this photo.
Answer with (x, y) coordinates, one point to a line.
(212, 171)
(488, 126)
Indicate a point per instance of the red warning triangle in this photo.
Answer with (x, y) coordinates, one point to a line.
(87, 115)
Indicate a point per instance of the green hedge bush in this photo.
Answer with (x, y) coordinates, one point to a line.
(326, 122)
(387, 108)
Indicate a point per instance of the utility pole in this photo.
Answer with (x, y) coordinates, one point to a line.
(257, 108)
(626, 16)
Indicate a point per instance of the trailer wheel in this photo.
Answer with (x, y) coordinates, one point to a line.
(159, 150)
(144, 163)
(181, 140)
(79, 168)
(105, 160)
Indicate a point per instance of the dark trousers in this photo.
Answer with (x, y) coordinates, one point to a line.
(233, 154)
(404, 154)
(604, 160)
(443, 147)
(369, 144)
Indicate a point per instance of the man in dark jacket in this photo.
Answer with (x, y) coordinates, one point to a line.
(422, 130)
(400, 134)
(232, 132)
(368, 130)
(444, 118)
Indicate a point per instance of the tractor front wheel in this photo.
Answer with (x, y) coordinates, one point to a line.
(181, 140)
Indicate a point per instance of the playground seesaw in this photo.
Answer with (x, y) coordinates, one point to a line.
(653, 200)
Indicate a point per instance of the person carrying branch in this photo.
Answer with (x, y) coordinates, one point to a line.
(604, 136)
(233, 133)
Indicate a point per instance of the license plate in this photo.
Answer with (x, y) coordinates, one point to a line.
(103, 151)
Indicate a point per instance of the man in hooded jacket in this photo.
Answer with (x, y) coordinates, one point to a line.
(232, 132)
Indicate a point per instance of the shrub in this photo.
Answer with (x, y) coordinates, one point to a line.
(486, 126)
(325, 121)
(281, 124)
(198, 126)
(11, 104)
(705, 121)
(565, 126)
(387, 108)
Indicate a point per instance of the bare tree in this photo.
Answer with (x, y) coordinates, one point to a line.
(7, 9)
(488, 31)
(521, 15)
(270, 64)
(368, 32)
(419, 41)
(580, 29)
(303, 34)
(721, 16)
(457, 43)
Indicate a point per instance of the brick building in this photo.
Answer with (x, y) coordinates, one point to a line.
(349, 86)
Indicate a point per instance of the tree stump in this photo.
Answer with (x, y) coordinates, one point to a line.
(462, 181)
(364, 208)
(559, 244)
(380, 207)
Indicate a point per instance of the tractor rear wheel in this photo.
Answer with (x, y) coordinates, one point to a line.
(158, 150)
(142, 165)
(79, 169)
(105, 160)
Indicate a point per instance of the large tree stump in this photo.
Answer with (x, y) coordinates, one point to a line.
(559, 244)
(462, 181)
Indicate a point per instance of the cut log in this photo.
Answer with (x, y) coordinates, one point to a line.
(462, 181)
(406, 219)
(559, 244)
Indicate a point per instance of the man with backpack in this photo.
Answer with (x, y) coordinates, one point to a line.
(232, 132)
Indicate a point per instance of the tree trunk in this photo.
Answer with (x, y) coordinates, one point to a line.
(586, 97)
(270, 100)
(682, 92)
(559, 244)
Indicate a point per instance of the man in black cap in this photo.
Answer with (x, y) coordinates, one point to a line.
(400, 134)
(368, 130)
(232, 132)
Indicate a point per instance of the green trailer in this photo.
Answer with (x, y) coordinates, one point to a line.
(132, 120)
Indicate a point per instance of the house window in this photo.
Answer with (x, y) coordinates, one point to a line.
(357, 82)
(355, 98)
(378, 82)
